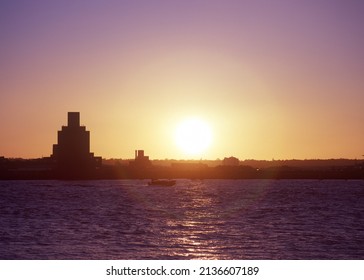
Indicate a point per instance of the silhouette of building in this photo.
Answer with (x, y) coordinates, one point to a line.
(230, 161)
(72, 152)
(3, 162)
(141, 166)
(140, 159)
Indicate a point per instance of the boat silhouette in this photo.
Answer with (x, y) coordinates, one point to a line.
(162, 182)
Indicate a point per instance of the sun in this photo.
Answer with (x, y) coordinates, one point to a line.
(193, 136)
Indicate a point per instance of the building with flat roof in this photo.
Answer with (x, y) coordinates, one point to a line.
(72, 154)
(141, 160)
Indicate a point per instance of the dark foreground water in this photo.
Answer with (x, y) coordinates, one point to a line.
(209, 219)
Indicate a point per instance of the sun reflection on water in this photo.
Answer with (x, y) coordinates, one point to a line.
(199, 219)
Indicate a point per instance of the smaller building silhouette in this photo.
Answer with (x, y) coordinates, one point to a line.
(231, 161)
(72, 154)
(140, 159)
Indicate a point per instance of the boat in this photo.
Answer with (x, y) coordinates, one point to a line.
(162, 182)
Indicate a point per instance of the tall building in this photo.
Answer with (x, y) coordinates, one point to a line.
(72, 152)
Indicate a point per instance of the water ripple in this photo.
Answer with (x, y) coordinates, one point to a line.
(210, 219)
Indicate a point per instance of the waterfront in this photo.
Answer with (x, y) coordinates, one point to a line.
(195, 219)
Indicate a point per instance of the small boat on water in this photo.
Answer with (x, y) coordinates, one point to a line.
(162, 182)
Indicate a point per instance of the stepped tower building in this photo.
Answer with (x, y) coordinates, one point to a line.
(72, 154)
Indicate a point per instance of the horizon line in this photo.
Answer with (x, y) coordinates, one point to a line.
(201, 159)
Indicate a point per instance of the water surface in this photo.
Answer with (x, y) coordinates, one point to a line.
(196, 219)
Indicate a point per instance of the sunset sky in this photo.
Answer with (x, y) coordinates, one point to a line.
(272, 79)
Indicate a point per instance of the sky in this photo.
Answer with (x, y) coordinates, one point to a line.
(273, 79)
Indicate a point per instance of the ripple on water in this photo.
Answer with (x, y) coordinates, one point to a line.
(196, 219)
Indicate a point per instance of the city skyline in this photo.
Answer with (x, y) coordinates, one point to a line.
(271, 79)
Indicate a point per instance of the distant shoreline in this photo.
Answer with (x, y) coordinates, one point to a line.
(186, 172)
